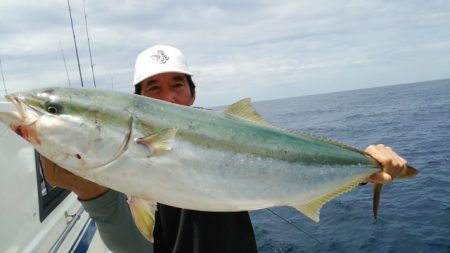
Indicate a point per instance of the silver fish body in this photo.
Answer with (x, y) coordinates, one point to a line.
(185, 157)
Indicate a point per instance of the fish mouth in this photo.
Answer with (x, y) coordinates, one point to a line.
(23, 115)
(17, 103)
(22, 121)
(12, 117)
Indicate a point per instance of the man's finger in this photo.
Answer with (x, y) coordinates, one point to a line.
(380, 177)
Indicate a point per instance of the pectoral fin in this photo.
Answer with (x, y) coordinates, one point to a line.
(143, 213)
(160, 142)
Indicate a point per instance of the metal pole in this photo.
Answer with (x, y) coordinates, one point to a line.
(73, 220)
(3, 78)
(75, 43)
(65, 65)
(89, 44)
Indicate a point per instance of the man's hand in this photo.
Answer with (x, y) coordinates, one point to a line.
(393, 165)
(57, 176)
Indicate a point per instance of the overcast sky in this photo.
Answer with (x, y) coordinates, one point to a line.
(261, 49)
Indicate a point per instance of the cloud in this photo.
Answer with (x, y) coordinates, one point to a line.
(259, 49)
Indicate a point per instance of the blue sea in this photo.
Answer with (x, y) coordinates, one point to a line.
(414, 216)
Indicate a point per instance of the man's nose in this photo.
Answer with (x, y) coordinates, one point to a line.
(168, 96)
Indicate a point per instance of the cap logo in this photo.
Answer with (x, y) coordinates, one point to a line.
(161, 57)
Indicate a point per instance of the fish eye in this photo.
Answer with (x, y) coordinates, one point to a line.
(53, 107)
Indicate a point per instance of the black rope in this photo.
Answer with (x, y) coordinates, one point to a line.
(292, 224)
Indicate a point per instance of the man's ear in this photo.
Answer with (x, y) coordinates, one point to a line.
(191, 102)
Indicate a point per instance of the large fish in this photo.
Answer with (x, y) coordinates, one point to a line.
(186, 157)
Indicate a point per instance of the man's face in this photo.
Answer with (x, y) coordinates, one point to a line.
(171, 87)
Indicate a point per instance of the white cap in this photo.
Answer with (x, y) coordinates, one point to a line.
(159, 59)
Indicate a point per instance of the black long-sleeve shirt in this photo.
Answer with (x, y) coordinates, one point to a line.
(176, 230)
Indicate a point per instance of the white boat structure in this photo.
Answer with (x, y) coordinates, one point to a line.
(35, 217)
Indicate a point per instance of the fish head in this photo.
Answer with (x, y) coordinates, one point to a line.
(72, 127)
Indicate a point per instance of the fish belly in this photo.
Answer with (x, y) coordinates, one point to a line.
(198, 178)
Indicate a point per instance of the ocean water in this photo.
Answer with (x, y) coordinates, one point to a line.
(414, 215)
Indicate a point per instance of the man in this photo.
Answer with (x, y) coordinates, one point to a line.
(161, 72)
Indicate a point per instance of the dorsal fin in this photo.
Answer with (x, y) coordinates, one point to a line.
(244, 109)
